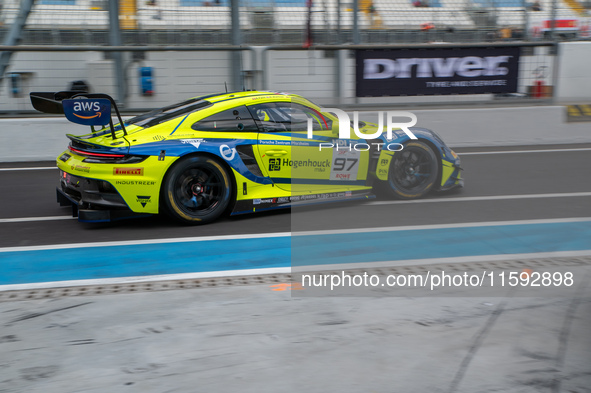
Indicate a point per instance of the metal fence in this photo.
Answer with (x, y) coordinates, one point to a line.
(278, 22)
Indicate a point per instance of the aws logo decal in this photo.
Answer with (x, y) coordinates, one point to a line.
(86, 107)
(143, 200)
(90, 112)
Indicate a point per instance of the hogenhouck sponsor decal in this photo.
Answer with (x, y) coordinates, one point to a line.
(437, 71)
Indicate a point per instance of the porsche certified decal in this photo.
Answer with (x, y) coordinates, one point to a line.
(129, 171)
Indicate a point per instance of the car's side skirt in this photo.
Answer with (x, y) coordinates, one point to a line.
(246, 206)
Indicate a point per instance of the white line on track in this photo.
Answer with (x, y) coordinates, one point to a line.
(443, 226)
(399, 202)
(287, 270)
(475, 153)
(137, 279)
(288, 234)
(33, 168)
(146, 241)
(484, 198)
(34, 219)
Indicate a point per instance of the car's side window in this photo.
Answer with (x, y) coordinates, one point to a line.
(269, 118)
(231, 120)
(300, 115)
(285, 116)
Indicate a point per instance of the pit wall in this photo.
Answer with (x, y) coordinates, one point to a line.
(325, 77)
(574, 72)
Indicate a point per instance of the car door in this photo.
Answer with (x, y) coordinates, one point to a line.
(297, 161)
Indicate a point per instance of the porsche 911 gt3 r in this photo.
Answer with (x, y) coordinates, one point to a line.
(237, 152)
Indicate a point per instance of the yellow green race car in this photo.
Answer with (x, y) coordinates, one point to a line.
(237, 152)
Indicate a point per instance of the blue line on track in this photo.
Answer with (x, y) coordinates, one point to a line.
(441, 243)
(34, 266)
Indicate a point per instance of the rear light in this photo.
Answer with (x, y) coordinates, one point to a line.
(91, 154)
(107, 158)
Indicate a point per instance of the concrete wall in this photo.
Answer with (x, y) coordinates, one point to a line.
(538, 125)
(574, 72)
(44, 138)
(177, 75)
(313, 74)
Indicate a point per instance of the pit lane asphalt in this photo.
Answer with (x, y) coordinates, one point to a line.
(31, 193)
(255, 339)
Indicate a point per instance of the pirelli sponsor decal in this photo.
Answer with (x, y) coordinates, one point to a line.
(128, 171)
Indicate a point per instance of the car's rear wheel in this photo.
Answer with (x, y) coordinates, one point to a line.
(413, 171)
(197, 190)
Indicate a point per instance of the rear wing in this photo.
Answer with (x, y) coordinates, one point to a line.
(92, 109)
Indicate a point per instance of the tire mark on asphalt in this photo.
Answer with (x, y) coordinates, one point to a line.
(40, 314)
(480, 337)
(565, 332)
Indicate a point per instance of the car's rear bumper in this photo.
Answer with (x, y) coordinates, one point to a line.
(92, 200)
(94, 215)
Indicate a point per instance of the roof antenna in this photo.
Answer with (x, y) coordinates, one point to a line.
(226, 86)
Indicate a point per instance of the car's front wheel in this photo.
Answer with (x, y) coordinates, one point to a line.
(413, 171)
(197, 190)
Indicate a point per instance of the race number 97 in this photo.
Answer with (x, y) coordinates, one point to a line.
(340, 164)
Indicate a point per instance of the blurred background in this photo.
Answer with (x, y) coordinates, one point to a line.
(168, 50)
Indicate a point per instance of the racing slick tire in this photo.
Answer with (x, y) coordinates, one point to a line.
(197, 190)
(413, 171)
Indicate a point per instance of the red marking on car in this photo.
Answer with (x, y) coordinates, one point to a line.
(88, 153)
(128, 171)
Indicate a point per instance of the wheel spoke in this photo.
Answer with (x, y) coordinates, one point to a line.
(199, 189)
(211, 182)
(207, 198)
(413, 170)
